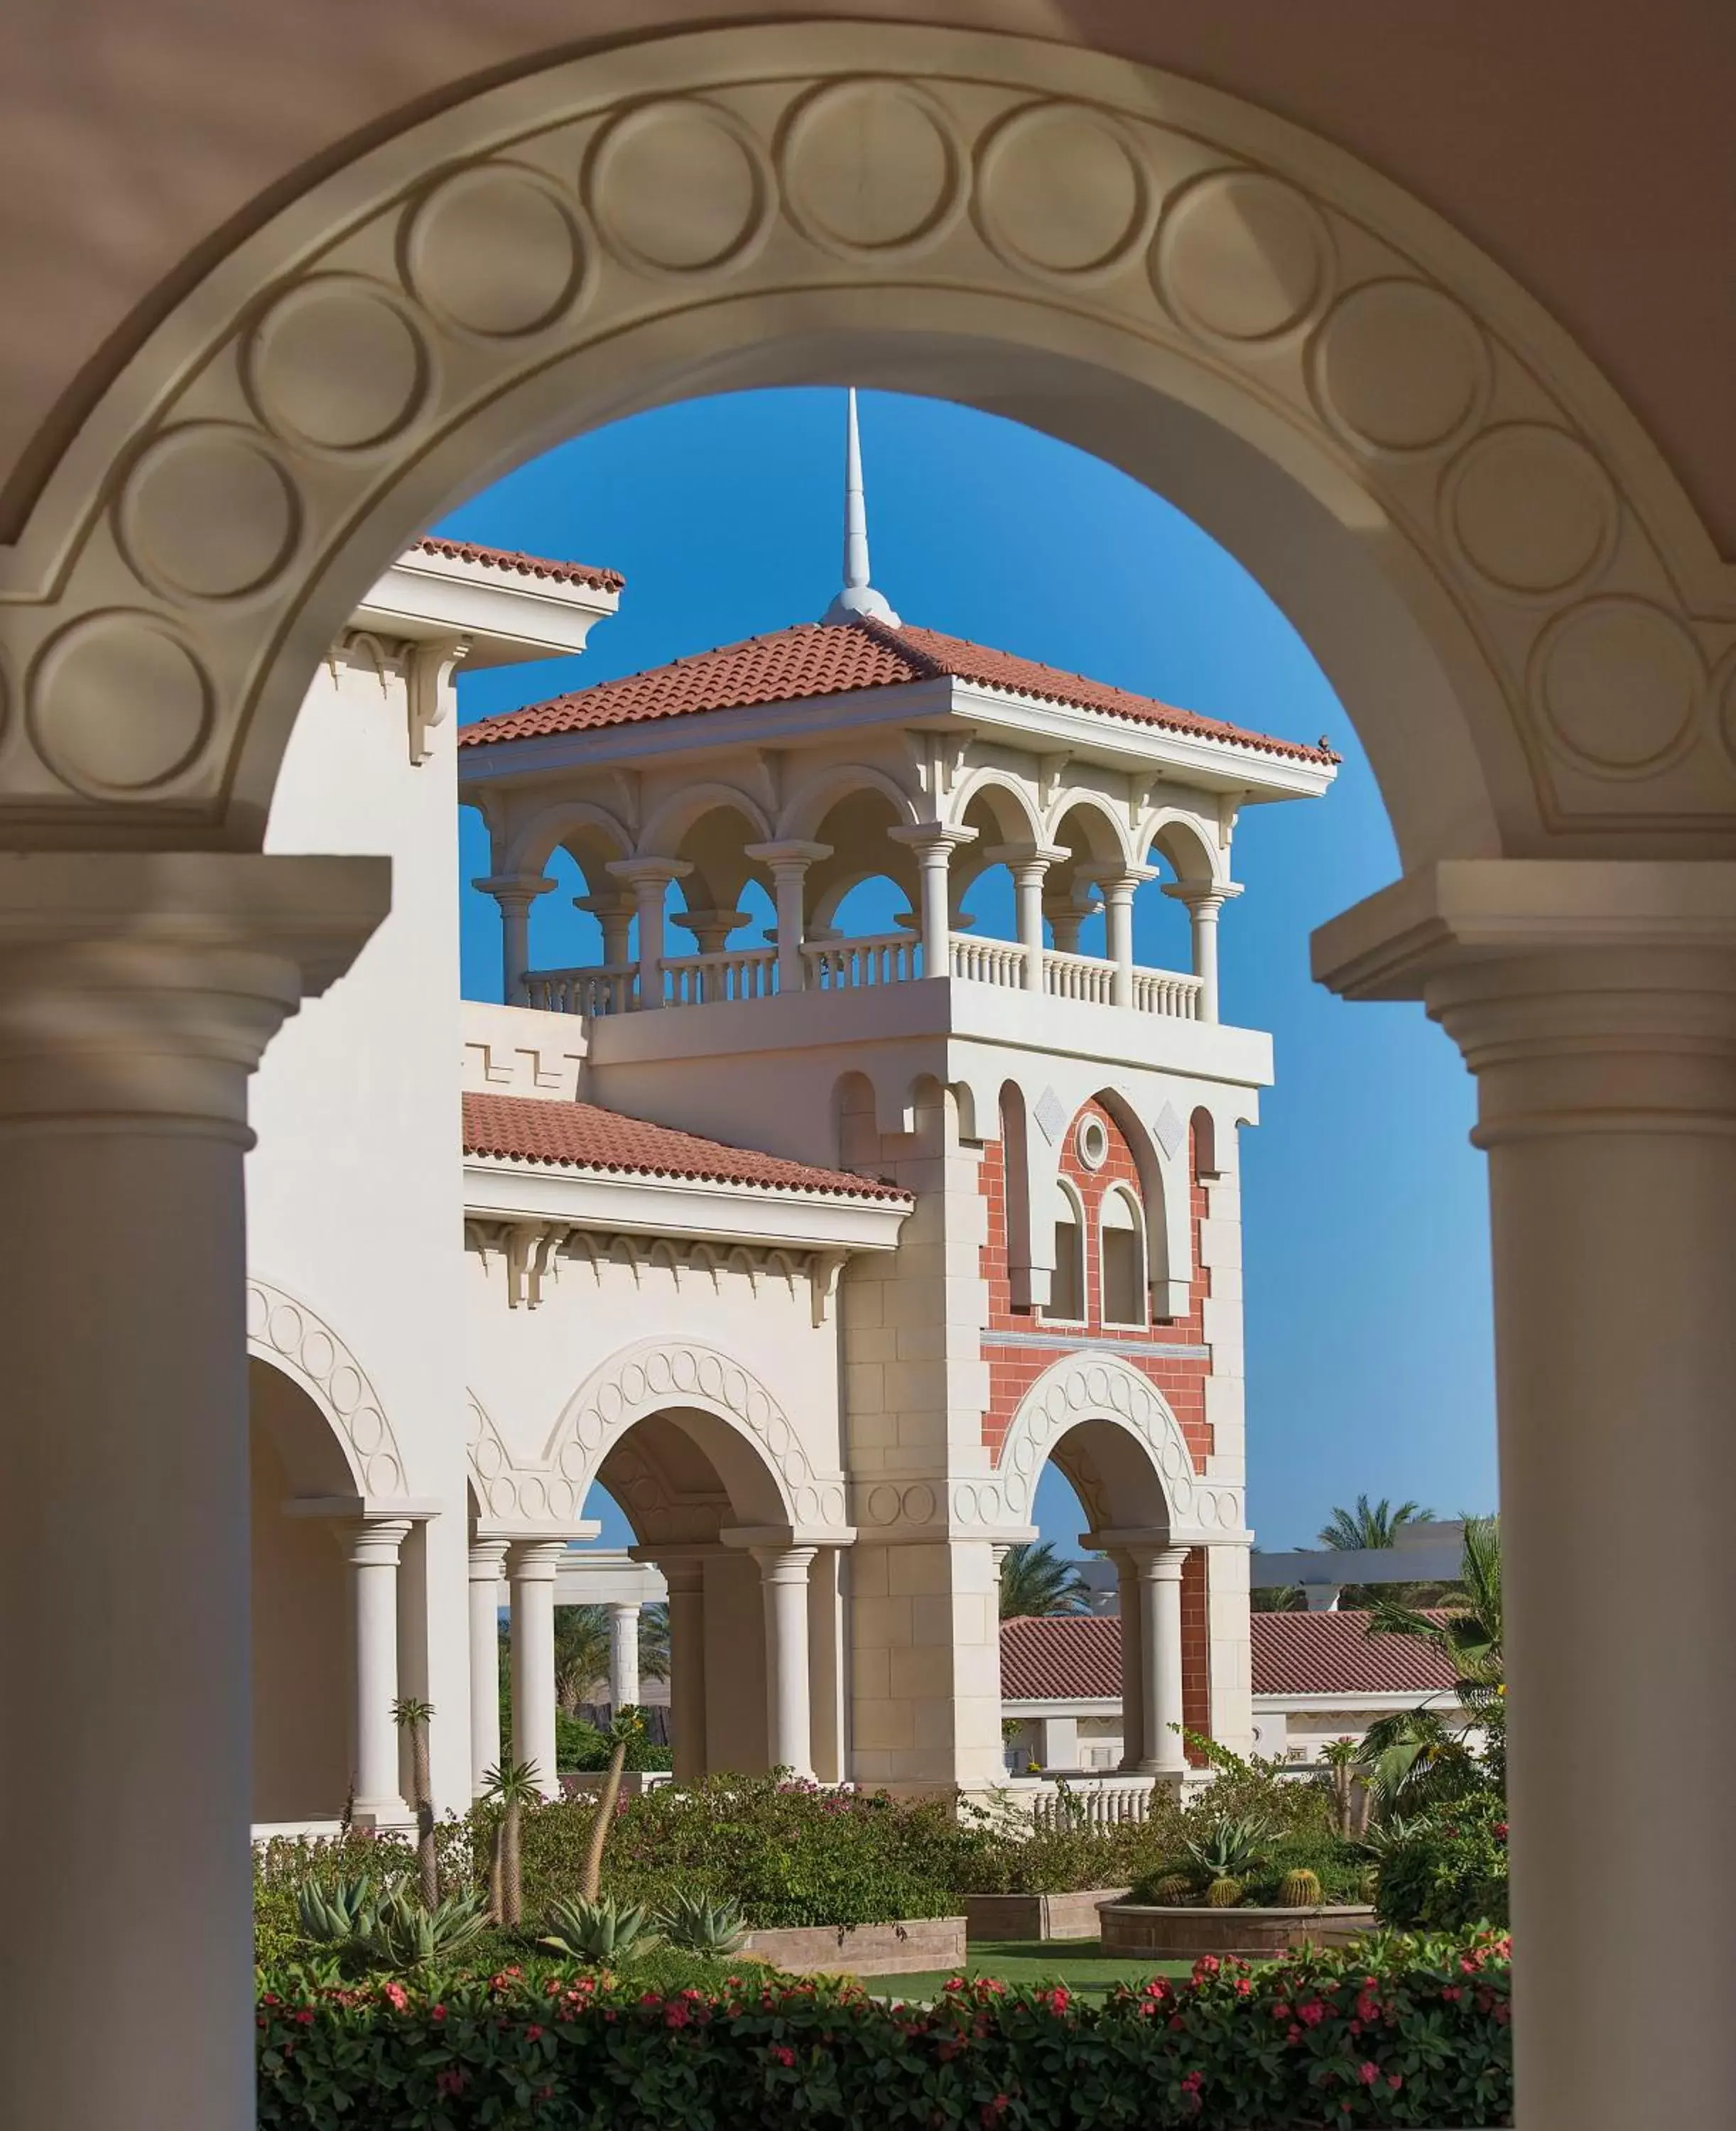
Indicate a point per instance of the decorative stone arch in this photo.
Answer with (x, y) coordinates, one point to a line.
(1354, 396)
(532, 843)
(679, 814)
(292, 1337)
(654, 1377)
(1154, 1484)
(1110, 845)
(805, 807)
(1198, 859)
(1017, 816)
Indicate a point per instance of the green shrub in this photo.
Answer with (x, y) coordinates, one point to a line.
(1396, 2031)
(1447, 1870)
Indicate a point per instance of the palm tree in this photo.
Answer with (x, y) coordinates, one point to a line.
(1416, 1758)
(413, 1716)
(627, 1725)
(581, 1654)
(1371, 1526)
(654, 1643)
(1034, 1582)
(512, 1785)
(1466, 1627)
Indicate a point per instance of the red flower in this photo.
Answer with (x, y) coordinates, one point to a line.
(532, 2033)
(451, 2081)
(395, 1995)
(783, 2053)
(1310, 2014)
(1395, 2080)
(1193, 2082)
(1368, 2073)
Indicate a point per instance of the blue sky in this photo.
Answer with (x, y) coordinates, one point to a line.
(1365, 1242)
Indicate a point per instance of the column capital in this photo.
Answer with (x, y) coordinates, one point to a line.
(487, 1560)
(930, 839)
(788, 851)
(1026, 862)
(1206, 898)
(1116, 885)
(1587, 995)
(535, 1560)
(1147, 1553)
(371, 1542)
(139, 989)
(644, 873)
(596, 906)
(511, 889)
(784, 1564)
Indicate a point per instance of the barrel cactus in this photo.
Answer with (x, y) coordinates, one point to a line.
(1223, 1893)
(1299, 1889)
(1171, 1890)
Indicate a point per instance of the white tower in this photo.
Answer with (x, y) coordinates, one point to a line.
(859, 600)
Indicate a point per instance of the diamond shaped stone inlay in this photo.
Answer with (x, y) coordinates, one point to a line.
(1050, 1117)
(1170, 1130)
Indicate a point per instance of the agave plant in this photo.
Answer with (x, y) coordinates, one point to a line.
(599, 1932)
(1232, 1849)
(341, 1915)
(698, 1925)
(404, 1935)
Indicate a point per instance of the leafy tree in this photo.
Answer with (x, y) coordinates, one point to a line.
(1034, 1582)
(1371, 1526)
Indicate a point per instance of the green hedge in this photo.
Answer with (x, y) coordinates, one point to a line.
(1448, 1871)
(1400, 2032)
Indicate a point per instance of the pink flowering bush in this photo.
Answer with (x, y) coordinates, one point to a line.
(1400, 2032)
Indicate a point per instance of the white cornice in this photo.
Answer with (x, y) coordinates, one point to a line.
(504, 616)
(687, 1208)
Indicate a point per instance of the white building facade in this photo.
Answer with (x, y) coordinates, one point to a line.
(810, 1250)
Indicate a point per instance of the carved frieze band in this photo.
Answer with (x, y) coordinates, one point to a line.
(245, 473)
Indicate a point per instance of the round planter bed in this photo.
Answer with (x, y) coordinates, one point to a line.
(1249, 1934)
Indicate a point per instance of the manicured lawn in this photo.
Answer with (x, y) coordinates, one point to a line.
(1080, 1963)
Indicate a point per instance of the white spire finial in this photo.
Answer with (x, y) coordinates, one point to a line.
(858, 596)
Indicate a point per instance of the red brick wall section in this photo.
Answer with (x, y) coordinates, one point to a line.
(1012, 1371)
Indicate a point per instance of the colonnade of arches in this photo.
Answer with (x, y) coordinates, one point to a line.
(1511, 589)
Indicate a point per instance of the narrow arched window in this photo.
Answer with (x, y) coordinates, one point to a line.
(1123, 1240)
(1067, 1286)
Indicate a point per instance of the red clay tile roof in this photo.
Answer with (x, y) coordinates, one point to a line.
(522, 566)
(583, 1136)
(821, 658)
(1078, 1657)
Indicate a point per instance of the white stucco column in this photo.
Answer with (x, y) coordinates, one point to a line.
(1029, 869)
(138, 992)
(624, 1656)
(685, 1578)
(933, 847)
(789, 859)
(1203, 901)
(1067, 915)
(614, 914)
(1159, 1572)
(487, 1565)
(826, 1680)
(514, 893)
(1118, 926)
(1595, 1001)
(371, 1547)
(649, 879)
(531, 1567)
(783, 1572)
(1134, 1746)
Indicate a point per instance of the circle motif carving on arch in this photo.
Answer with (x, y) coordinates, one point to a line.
(286, 1333)
(1063, 191)
(1618, 683)
(496, 251)
(871, 169)
(120, 704)
(209, 512)
(1242, 257)
(680, 186)
(1075, 1388)
(338, 364)
(1531, 511)
(1401, 368)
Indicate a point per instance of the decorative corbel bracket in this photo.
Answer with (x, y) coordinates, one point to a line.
(824, 1268)
(429, 689)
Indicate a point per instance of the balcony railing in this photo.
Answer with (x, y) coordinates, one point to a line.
(889, 958)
